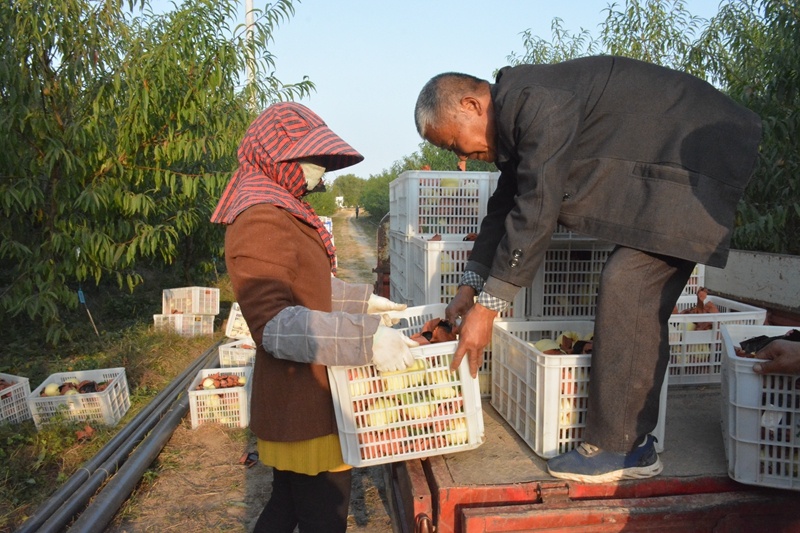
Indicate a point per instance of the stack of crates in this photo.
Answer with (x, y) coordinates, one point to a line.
(188, 311)
(431, 213)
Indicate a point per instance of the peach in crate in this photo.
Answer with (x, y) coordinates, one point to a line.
(394, 416)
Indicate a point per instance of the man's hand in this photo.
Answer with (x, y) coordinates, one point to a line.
(782, 357)
(475, 334)
(460, 304)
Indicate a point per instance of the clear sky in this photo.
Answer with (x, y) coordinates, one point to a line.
(370, 58)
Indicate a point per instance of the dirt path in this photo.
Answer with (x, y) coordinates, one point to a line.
(197, 483)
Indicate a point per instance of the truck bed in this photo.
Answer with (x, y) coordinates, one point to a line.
(504, 486)
(693, 444)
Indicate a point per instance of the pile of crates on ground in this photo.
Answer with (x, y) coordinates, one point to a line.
(188, 311)
(221, 395)
(543, 397)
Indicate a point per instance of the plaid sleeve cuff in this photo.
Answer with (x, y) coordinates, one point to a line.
(472, 279)
(492, 302)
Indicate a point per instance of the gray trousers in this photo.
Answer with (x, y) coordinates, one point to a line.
(636, 297)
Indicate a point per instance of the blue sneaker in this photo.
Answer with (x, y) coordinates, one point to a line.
(590, 464)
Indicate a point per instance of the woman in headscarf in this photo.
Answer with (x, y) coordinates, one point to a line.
(280, 258)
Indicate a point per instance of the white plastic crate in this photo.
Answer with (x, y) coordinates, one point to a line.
(565, 286)
(241, 352)
(545, 397)
(418, 413)
(228, 406)
(435, 269)
(431, 202)
(186, 325)
(760, 416)
(236, 327)
(399, 265)
(696, 280)
(105, 407)
(397, 294)
(411, 319)
(696, 356)
(14, 399)
(190, 300)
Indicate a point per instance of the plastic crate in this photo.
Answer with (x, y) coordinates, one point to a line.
(545, 397)
(565, 286)
(14, 399)
(411, 319)
(696, 356)
(228, 406)
(241, 352)
(105, 407)
(435, 271)
(399, 416)
(190, 300)
(236, 327)
(696, 280)
(760, 416)
(186, 325)
(430, 202)
(399, 265)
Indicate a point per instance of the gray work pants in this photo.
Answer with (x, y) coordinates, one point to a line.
(637, 294)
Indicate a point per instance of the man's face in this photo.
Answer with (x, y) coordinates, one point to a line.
(468, 134)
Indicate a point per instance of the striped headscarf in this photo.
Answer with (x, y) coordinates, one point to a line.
(268, 170)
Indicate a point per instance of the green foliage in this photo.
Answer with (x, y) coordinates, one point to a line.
(375, 194)
(324, 203)
(123, 131)
(656, 31)
(757, 58)
(560, 47)
(750, 50)
(349, 187)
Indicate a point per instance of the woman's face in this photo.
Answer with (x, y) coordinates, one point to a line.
(313, 170)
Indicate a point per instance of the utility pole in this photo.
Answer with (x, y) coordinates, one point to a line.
(251, 60)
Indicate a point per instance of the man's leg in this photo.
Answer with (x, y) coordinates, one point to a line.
(630, 355)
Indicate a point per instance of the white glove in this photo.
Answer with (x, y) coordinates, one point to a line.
(391, 350)
(379, 304)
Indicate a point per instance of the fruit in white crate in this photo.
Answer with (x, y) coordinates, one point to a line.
(52, 389)
(382, 412)
(548, 347)
(440, 379)
(449, 186)
(420, 410)
(458, 433)
(208, 384)
(567, 415)
(394, 380)
(566, 339)
(359, 383)
(213, 401)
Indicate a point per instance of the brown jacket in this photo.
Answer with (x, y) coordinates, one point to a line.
(277, 264)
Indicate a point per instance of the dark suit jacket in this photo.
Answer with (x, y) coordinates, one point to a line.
(622, 150)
